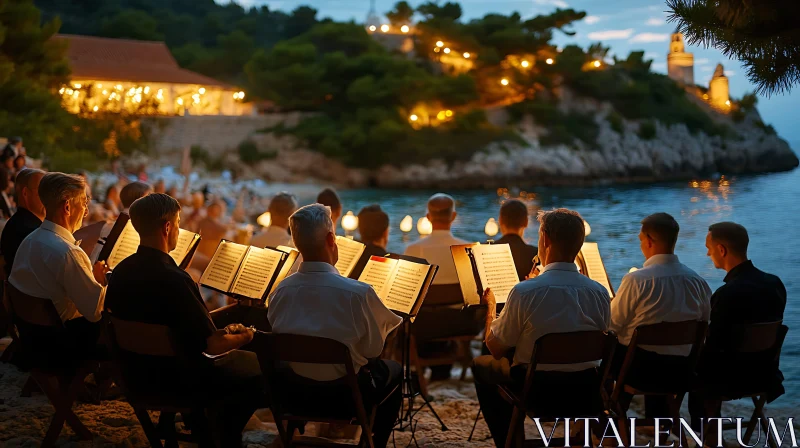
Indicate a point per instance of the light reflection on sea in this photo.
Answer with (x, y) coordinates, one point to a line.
(768, 205)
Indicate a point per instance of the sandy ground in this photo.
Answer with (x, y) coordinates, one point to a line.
(23, 421)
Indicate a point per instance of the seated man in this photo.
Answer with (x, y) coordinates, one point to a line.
(29, 215)
(280, 209)
(664, 290)
(49, 265)
(749, 296)
(513, 222)
(149, 287)
(132, 192)
(559, 300)
(448, 317)
(373, 227)
(317, 301)
(330, 197)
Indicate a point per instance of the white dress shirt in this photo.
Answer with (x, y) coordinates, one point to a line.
(559, 300)
(272, 236)
(317, 301)
(435, 248)
(49, 265)
(664, 290)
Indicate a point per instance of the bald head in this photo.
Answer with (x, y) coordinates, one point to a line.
(441, 211)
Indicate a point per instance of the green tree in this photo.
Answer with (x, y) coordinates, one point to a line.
(401, 14)
(763, 35)
(302, 19)
(432, 10)
(131, 24)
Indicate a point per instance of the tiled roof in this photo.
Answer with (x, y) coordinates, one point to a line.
(104, 59)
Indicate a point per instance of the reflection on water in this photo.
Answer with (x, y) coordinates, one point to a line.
(767, 205)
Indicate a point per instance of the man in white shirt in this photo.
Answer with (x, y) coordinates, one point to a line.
(664, 290)
(49, 264)
(317, 301)
(442, 317)
(559, 300)
(280, 209)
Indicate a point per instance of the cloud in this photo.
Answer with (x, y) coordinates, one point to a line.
(729, 73)
(654, 21)
(611, 34)
(650, 37)
(556, 3)
(659, 66)
(592, 19)
(701, 61)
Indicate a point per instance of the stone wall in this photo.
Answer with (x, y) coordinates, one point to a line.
(216, 133)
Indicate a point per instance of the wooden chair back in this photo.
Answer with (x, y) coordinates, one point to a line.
(755, 338)
(439, 295)
(32, 310)
(275, 349)
(140, 338)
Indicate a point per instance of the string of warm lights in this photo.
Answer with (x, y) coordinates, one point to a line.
(386, 28)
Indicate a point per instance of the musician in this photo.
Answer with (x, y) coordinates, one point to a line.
(149, 287)
(435, 321)
(559, 300)
(513, 222)
(29, 215)
(330, 197)
(131, 192)
(280, 209)
(664, 290)
(317, 301)
(373, 228)
(749, 296)
(49, 264)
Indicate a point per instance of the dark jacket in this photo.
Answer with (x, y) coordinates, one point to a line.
(523, 253)
(17, 228)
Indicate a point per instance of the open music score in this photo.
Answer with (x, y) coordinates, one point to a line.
(349, 253)
(481, 266)
(246, 272)
(594, 267)
(401, 284)
(123, 241)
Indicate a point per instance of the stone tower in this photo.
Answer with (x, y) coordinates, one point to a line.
(718, 94)
(680, 64)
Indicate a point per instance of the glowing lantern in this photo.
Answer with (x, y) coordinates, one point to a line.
(202, 90)
(549, 61)
(587, 229)
(349, 222)
(406, 224)
(525, 64)
(466, 55)
(413, 117)
(440, 44)
(373, 28)
(385, 28)
(424, 226)
(404, 28)
(448, 113)
(95, 108)
(441, 115)
(597, 64)
(446, 51)
(265, 219)
(491, 229)
(504, 81)
(77, 86)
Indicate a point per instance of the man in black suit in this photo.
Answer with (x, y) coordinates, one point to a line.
(29, 216)
(513, 222)
(373, 227)
(749, 296)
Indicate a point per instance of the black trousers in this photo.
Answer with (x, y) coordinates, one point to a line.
(48, 347)
(379, 383)
(553, 394)
(652, 372)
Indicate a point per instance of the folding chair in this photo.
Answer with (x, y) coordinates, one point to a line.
(157, 341)
(275, 350)
(60, 384)
(764, 338)
(690, 332)
(558, 348)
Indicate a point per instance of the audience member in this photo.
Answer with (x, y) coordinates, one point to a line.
(170, 297)
(559, 300)
(8, 163)
(664, 290)
(330, 198)
(29, 215)
(49, 264)
(373, 227)
(7, 205)
(13, 148)
(513, 222)
(749, 296)
(19, 163)
(280, 209)
(131, 192)
(160, 186)
(317, 301)
(111, 202)
(197, 211)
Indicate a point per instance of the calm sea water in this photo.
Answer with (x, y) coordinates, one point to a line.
(768, 205)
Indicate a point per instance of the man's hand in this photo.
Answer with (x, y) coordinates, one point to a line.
(99, 270)
(488, 298)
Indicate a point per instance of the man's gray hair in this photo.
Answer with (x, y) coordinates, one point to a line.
(56, 188)
(23, 179)
(309, 226)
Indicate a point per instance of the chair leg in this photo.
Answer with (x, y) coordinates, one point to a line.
(149, 428)
(61, 397)
(622, 425)
(29, 388)
(514, 428)
(674, 404)
(759, 413)
(70, 395)
(477, 417)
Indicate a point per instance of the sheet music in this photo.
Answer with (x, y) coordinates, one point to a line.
(127, 244)
(405, 286)
(185, 239)
(257, 270)
(594, 264)
(496, 269)
(223, 266)
(349, 253)
(377, 272)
